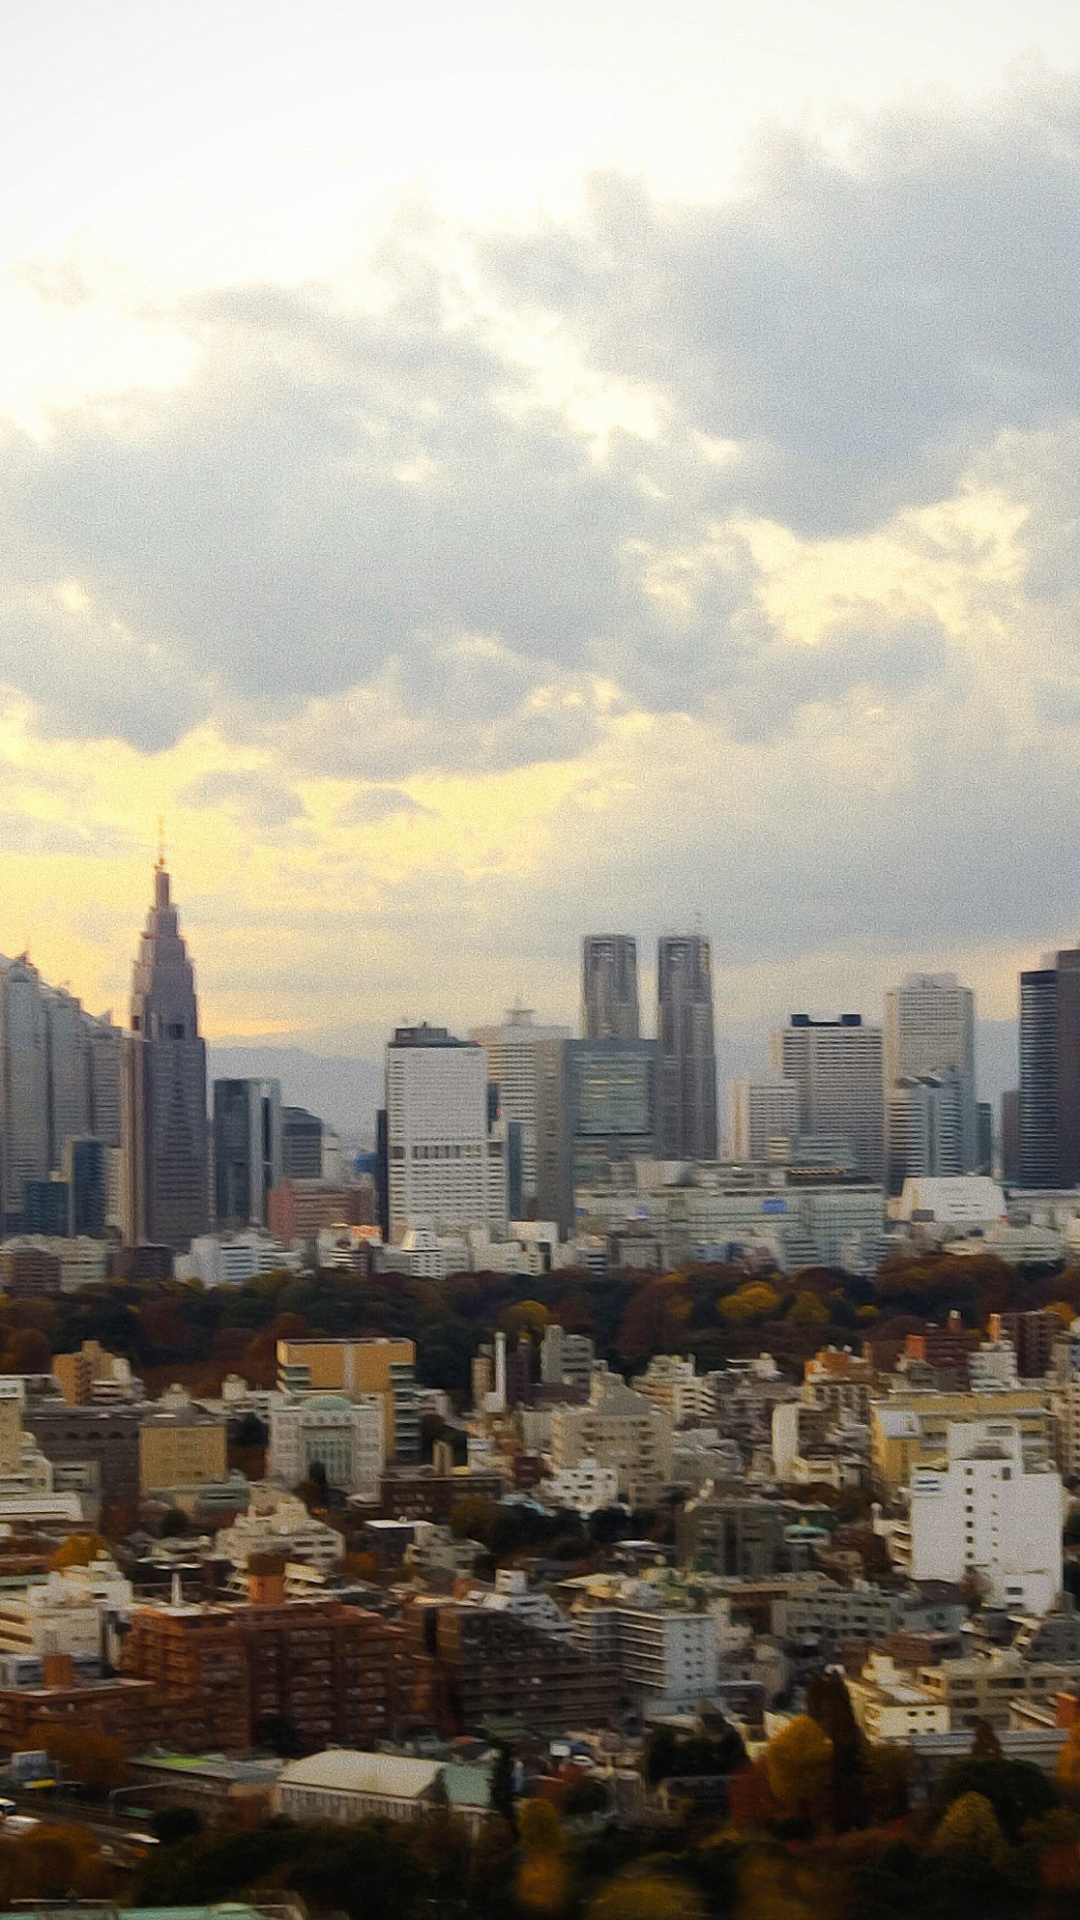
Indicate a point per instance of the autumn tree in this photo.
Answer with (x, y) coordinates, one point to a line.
(798, 1767)
(78, 1550)
(970, 1828)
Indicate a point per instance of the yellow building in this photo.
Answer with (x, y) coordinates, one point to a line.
(909, 1429)
(180, 1445)
(355, 1367)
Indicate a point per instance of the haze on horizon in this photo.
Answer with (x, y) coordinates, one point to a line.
(486, 474)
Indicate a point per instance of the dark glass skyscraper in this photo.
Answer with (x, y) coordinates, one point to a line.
(1050, 1073)
(684, 1028)
(247, 1149)
(165, 1134)
(609, 990)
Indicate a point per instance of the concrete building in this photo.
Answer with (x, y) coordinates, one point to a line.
(74, 1612)
(984, 1687)
(181, 1444)
(797, 1218)
(566, 1359)
(229, 1259)
(673, 1385)
(341, 1786)
(277, 1523)
(930, 1030)
(447, 1161)
(50, 1263)
(837, 1066)
(299, 1210)
(380, 1366)
(610, 1114)
(93, 1451)
(989, 1513)
(764, 1119)
(92, 1377)
(687, 1067)
(925, 1117)
(909, 1428)
(583, 1489)
(514, 1053)
(165, 1135)
(666, 1657)
(343, 1435)
(247, 1151)
(609, 987)
(890, 1706)
(494, 1663)
(619, 1429)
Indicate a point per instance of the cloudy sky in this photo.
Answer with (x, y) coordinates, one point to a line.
(483, 472)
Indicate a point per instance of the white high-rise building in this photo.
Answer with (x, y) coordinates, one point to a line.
(446, 1158)
(987, 1513)
(514, 1065)
(837, 1068)
(763, 1112)
(930, 1027)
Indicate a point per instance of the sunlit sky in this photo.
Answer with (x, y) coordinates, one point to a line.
(484, 473)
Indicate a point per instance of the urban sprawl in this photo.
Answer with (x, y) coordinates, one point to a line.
(547, 1509)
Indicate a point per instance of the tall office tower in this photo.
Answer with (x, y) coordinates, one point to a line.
(609, 1115)
(1050, 1072)
(24, 1065)
(68, 1051)
(837, 1068)
(165, 1135)
(247, 1150)
(764, 1119)
(86, 1176)
(929, 1025)
(925, 1116)
(514, 1066)
(445, 1163)
(301, 1144)
(609, 993)
(684, 1028)
(106, 1047)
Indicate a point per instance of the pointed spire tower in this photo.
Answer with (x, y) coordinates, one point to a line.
(165, 1144)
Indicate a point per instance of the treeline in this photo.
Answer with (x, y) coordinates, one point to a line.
(714, 1312)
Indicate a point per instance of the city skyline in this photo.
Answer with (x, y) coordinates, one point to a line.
(594, 511)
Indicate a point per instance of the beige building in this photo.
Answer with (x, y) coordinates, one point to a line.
(180, 1445)
(355, 1367)
(910, 1428)
(981, 1686)
(889, 1705)
(620, 1429)
(93, 1376)
(67, 1614)
(671, 1383)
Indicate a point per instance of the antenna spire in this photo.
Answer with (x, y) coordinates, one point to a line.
(161, 843)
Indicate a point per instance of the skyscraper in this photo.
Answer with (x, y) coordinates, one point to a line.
(609, 990)
(446, 1164)
(165, 1135)
(837, 1067)
(24, 1064)
(1050, 1072)
(247, 1150)
(684, 1028)
(68, 1040)
(930, 1027)
(514, 1066)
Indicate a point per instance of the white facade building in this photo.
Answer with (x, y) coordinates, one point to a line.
(619, 1429)
(228, 1259)
(513, 1053)
(837, 1067)
(344, 1435)
(582, 1489)
(987, 1513)
(446, 1162)
(68, 1614)
(930, 1025)
(672, 1384)
(764, 1115)
(278, 1522)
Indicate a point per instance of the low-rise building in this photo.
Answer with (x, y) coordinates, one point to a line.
(890, 1706)
(620, 1429)
(342, 1435)
(337, 1785)
(981, 1686)
(181, 1444)
(277, 1522)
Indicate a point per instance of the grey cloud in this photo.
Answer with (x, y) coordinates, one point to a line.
(368, 808)
(252, 796)
(25, 833)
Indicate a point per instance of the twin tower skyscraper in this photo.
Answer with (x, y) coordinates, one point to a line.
(686, 1126)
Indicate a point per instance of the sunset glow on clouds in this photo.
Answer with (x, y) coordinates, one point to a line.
(455, 573)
